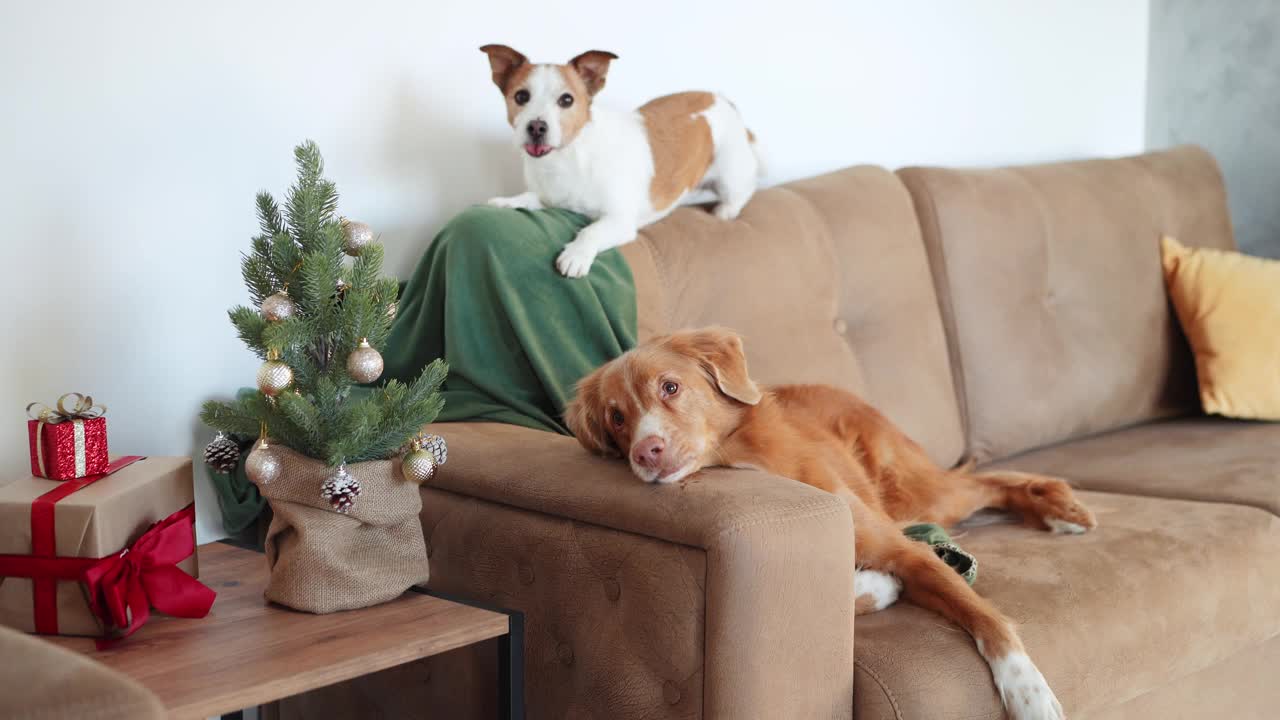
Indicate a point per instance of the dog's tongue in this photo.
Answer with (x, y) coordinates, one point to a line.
(537, 150)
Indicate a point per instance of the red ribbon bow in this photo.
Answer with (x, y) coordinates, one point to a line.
(125, 586)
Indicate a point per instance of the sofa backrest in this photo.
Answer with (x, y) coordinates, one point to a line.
(1052, 294)
(827, 280)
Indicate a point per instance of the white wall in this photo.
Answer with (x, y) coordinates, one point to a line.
(135, 134)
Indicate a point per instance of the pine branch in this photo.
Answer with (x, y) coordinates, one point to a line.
(269, 214)
(353, 429)
(367, 268)
(258, 277)
(286, 334)
(309, 161)
(283, 256)
(312, 201)
(406, 409)
(250, 327)
(303, 414)
(233, 417)
(363, 318)
(388, 291)
(326, 397)
(319, 278)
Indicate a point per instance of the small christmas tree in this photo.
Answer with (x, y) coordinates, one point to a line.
(318, 323)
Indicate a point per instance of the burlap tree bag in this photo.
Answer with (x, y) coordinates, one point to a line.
(323, 561)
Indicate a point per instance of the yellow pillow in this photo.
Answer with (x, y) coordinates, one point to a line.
(1229, 307)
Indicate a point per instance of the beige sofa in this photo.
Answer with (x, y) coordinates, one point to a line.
(42, 681)
(1013, 316)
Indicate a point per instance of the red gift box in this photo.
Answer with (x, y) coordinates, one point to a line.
(68, 442)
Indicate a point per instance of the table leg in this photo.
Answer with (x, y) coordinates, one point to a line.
(510, 654)
(511, 668)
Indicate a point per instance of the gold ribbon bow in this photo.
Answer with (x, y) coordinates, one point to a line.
(82, 410)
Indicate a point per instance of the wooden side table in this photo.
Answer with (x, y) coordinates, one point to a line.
(248, 652)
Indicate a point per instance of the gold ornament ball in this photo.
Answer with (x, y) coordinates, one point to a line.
(357, 235)
(274, 377)
(364, 364)
(263, 465)
(418, 465)
(278, 307)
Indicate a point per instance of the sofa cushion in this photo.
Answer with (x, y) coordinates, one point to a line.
(1050, 282)
(1161, 590)
(828, 281)
(1241, 687)
(1228, 304)
(1199, 458)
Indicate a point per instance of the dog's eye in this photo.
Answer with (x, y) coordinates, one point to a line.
(616, 418)
(521, 97)
(565, 100)
(669, 388)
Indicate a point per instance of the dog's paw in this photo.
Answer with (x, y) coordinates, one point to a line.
(725, 211)
(874, 590)
(1070, 517)
(575, 260)
(1065, 527)
(527, 201)
(1059, 509)
(1024, 690)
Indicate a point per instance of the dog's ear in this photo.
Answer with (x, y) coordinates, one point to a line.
(592, 66)
(585, 416)
(503, 61)
(719, 350)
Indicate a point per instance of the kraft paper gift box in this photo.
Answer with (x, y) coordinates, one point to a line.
(96, 520)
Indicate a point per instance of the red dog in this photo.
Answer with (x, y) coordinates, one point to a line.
(684, 401)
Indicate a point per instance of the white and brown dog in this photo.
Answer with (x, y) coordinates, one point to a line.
(623, 170)
(685, 401)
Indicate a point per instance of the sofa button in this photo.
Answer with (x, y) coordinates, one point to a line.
(612, 590)
(841, 326)
(525, 573)
(565, 654)
(670, 692)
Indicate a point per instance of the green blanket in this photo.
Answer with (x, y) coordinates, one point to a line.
(517, 335)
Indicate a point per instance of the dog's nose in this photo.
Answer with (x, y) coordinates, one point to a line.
(648, 452)
(537, 129)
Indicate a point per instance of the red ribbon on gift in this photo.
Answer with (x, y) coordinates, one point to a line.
(116, 585)
(125, 586)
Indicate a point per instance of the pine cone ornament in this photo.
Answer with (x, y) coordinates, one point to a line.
(437, 446)
(222, 455)
(341, 490)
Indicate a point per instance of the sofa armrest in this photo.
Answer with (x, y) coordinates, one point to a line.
(745, 579)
